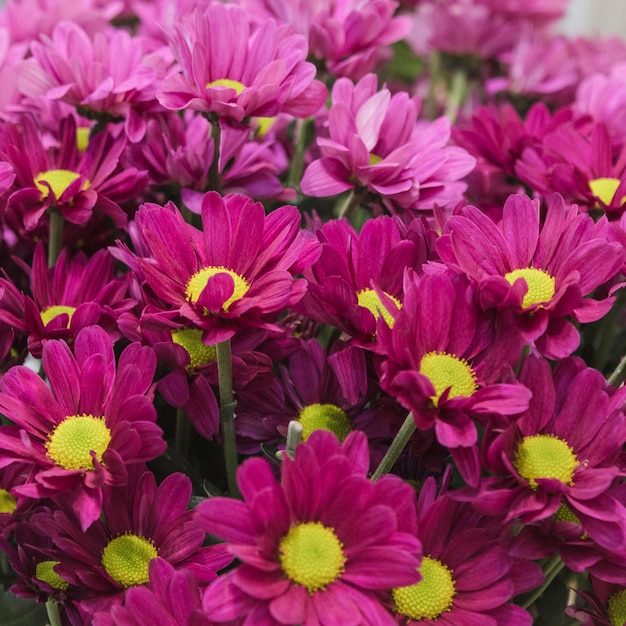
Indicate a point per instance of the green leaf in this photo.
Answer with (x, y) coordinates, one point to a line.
(21, 612)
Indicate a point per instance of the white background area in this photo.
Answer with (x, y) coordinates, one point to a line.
(595, 17)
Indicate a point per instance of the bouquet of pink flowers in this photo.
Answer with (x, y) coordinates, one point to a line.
(311, 314)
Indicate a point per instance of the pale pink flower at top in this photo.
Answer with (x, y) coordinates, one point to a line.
(349, 36)
(108, 74)
(376, 145)
(234, 70)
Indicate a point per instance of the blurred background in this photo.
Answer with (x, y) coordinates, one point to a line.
(595, 17)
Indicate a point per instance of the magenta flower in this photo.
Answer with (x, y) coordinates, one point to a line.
(542, 273)
(358, 277)
(468, 577)
(376, 146)
(562, 455)
(80, 185)
(349, 38)
(81, 432)
(141, 522)
(76, 293)
(235, 71)
(310, 546)
(238, 271)
(450, 363)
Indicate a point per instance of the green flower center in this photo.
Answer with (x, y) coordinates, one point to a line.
(324, 417)
(545, 456)
(82, 138)
(126, 559)
(191, 340)
(371, 301)
(604, 189)
(71, 442)
(199, 281)
(431, 596)
(312, 555)
(47, 315)
(375, 159)
(8, 503)
(448, 371)
(616, 611)
(44, 571)
(59, 181)
(540, 285)
(565, 514)
(227, 82)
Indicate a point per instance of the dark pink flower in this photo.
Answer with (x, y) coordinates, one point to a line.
(235, 71)
(81, 432)
(238, 271)
(540, 272)
(311, 546)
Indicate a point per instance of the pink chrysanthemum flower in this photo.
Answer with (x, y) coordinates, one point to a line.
(562, 455)
(76, 293)
(80, 432)
(540, 272)
(310, 546)
(173, 598)
(467, 575)
(238, 271)
(375, 145)
(448, 362)
(348, 37)
(140, 522)
(108, 75)
(605, 604)
(235, 71)
(358, 277)
(80, 185)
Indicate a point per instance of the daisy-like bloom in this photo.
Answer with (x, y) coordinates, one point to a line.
(562, 455)
(348, 37)
(468, 578)
(82, 431)
(234, 71)
(376, 146)
(173, 598)
(358, 277)
(448, 362)
(108, 75)
(311, 545)
(540, 272)
(140, 523)
(77, 292)
(605, 604)
(80, 185)
(239, 270)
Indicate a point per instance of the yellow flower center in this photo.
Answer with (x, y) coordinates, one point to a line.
(263, 125)
(616, 611)
(47, 315)
(540, 285)
(324, 417)
(375, 159)
(604, 189)
(71, 442)
(199, 281)
(545, 456)
(565, 514)
(82, 138)
(59, 181)
(45, 571)
(227, 82)
(370, 300)
(126, 559)
(431, 596)
(191, 340)
(448, 371)
(8, 503)
(312, 556)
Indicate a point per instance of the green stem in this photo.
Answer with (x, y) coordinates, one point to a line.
(52, 607)
(55, 237)
(619, 373)
(181, 438)
(553, 567)
(434, 69)
(215, 178)
(227, 414)
(297, 163)
(395, 449)
(350, 204)
(457, 95)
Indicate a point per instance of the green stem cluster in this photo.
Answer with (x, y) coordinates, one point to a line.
(395, 449)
